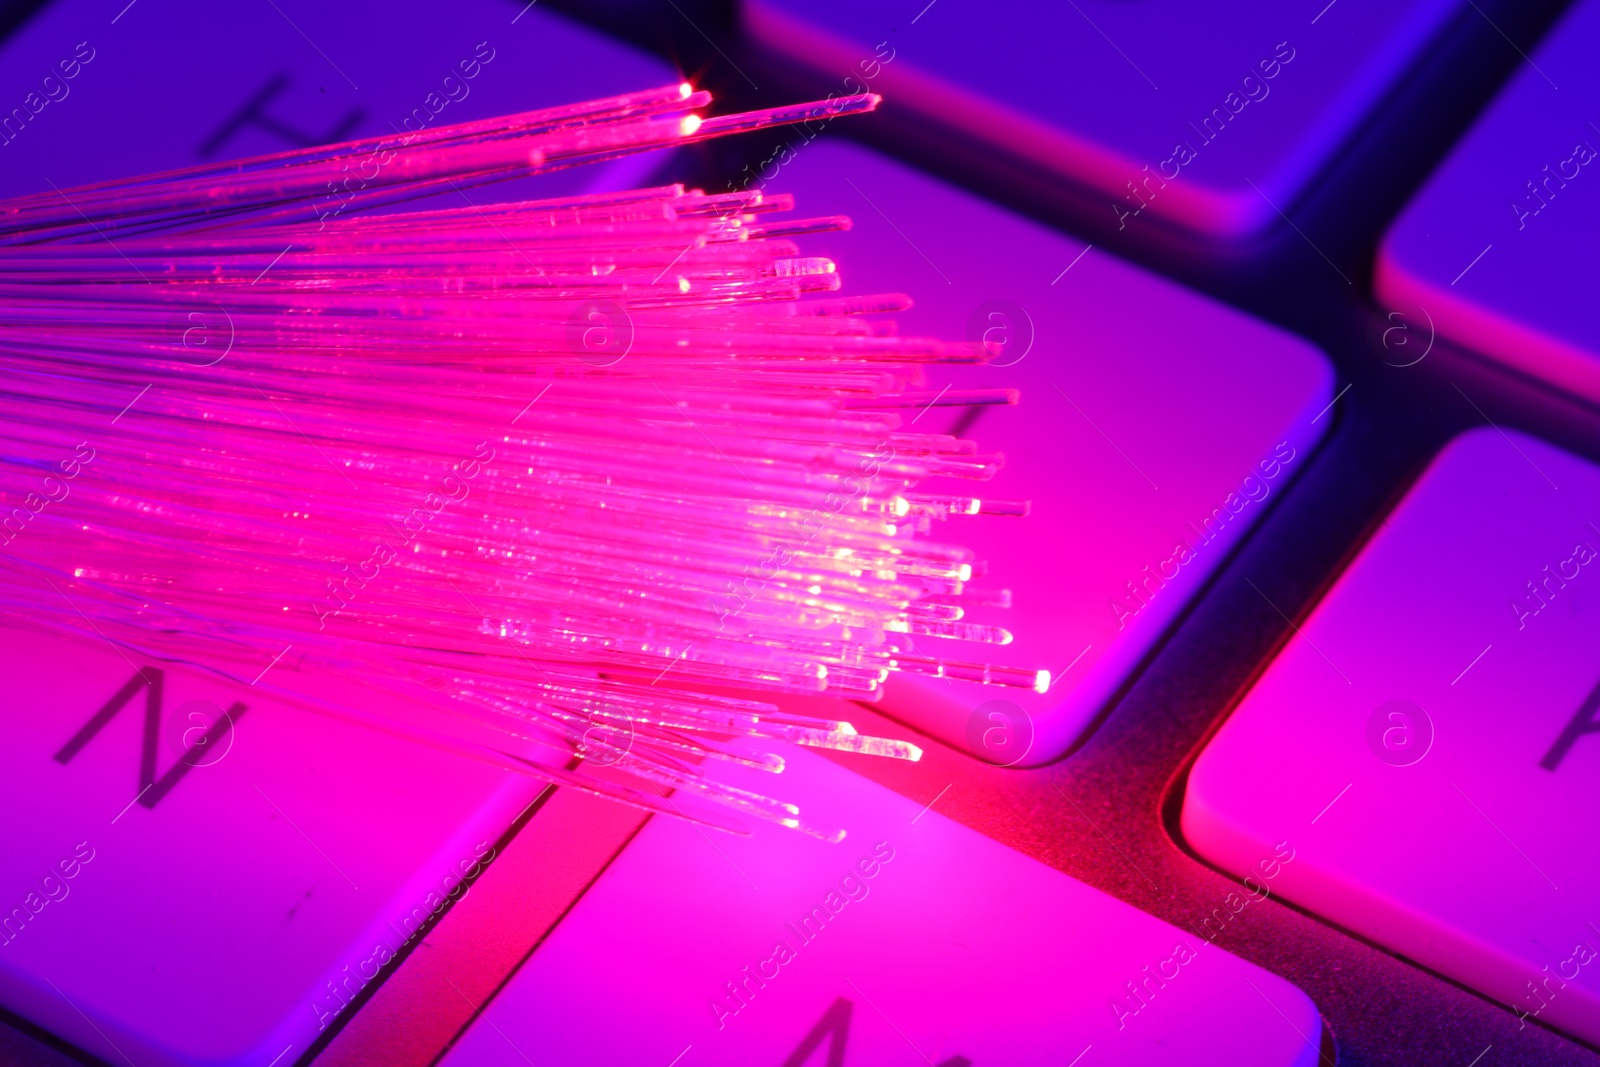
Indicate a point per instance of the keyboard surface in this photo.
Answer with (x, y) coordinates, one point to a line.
(1498, 247)
(1017, 852)
(1424, 737)
(1133, 505)
(1208, 117)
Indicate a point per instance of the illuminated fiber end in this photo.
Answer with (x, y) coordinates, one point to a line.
(1014, 508)
(964, 572)
(803, 266)
(685, 90)
(689, 125)
(901, 506)
(885, 746)
(838, 740)
(1041, 682)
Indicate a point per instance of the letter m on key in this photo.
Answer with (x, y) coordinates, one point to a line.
(152, 681)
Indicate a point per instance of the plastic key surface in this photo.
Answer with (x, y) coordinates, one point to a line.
(200, 873)
(1208, 117)
(1155, 427)
(914, 941)
(1498, 248)
(1427, 740)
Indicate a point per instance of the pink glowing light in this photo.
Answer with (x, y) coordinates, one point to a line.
(576, 467)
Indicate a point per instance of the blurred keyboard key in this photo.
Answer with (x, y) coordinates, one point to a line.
(1498, 248)
(89, 94)
(1207, 117)
(915, 941)
(1155, 428)
(198, 873)
(1429, 739)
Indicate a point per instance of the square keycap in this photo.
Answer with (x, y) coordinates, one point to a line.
(1426, 739)
(1497, 251)
(201, 873)
(1209, 117)
(1155, 427)
(914, 941)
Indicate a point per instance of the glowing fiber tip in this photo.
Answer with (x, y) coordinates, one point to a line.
(602, 476)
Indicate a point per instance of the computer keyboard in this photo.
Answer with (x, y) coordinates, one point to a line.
(1133, 504)
(1422, 736)
(1496, 246)
(1205, 843)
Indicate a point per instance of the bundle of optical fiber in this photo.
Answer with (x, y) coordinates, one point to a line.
(584, 471)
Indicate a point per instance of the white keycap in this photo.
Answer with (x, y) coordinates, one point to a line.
(196, 873)
(1209, 117)
(1430, 740)
(915, 941)
(1155, 428)
(1497, 250)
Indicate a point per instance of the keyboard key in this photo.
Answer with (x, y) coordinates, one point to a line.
(1203, 117)
(85, 96)
(699, 948)
(1497, 249)
(1427, 739)
(206, 874)
(1155, 428)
